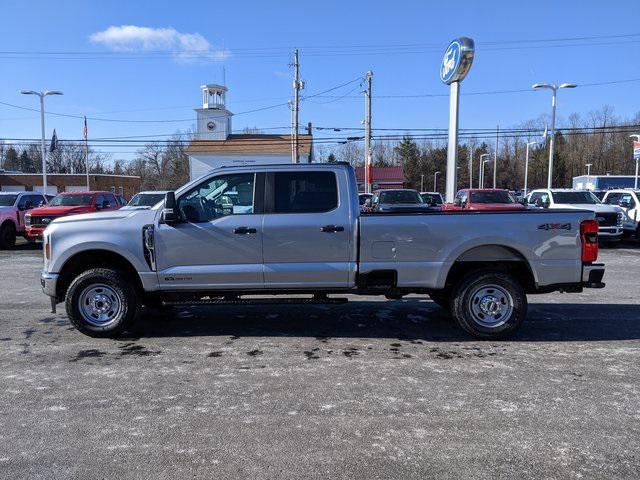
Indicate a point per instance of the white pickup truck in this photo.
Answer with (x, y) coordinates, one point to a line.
(283, 229)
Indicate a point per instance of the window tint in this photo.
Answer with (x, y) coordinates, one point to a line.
(575, 198)
(613, 198)
(305, 192)
(491, 197)
(218, 197)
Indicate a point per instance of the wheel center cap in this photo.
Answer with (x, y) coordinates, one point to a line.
(101, 303)
(490, 305)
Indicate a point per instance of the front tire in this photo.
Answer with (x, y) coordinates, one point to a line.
(7, 236)
(101, 303)
(489, 304)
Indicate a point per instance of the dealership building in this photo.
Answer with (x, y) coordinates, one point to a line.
(215, 145)
(125, 185)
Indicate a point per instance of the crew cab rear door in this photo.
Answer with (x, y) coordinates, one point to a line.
(307, 230)
(218, 245)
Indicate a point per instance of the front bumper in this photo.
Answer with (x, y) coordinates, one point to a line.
(49, 281)
(592, 275)
(34, 232)
(610, 234)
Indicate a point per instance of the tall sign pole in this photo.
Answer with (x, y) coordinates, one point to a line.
(636, 157)
(456, 63)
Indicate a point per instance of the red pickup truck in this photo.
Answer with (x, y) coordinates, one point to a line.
(67, 203)
(493, 199)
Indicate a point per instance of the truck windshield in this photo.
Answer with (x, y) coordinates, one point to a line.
(491, 197)
(7, 200)
(575, 198)
(432, 198)
(71, 201)
(145, 199)
(400, 196)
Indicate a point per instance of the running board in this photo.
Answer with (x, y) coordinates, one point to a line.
(256, 301)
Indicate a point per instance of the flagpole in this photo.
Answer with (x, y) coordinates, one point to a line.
(86, 152)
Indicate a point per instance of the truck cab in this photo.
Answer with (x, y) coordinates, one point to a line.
(484, 199)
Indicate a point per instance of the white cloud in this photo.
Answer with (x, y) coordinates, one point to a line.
(184, 47)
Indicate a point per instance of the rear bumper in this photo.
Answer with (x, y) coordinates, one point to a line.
(592, 275)
(49, 281)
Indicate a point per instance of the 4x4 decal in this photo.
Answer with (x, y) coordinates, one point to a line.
(555, 226)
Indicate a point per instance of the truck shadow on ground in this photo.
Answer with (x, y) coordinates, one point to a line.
(411, 319)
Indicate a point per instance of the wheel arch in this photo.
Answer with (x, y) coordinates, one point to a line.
(496, 257)
(94, 258)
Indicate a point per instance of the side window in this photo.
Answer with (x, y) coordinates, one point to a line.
(112, 200)
(99, 200)
(305, 192)
(218, 197)
(613, 198)
(23, 201)
(534, 197)
(545, 198)
(628, 198)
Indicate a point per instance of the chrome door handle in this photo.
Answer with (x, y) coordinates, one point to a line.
(332, 228)
(244, 230)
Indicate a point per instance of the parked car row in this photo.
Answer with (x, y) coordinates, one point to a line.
(27, 214)
(618, 213)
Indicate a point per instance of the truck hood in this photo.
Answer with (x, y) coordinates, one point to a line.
(108, 215)
(588, 206)
(60, 210)
(497, 206)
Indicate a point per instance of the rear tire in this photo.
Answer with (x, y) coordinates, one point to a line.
(7, 235)
(489, 304)
(101, 303)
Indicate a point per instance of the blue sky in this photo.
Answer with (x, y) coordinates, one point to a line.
(252, 41)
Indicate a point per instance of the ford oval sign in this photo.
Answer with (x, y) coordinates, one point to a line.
(457, 60)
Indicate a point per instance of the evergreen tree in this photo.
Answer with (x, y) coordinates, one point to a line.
(11, 159)
(331, 158)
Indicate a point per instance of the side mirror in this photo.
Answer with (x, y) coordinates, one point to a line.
(539, 203)
(106, 204)
(624, 204)
(367, 203)
(457, 202)
(169, 213)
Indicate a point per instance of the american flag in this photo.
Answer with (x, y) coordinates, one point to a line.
(85, 132)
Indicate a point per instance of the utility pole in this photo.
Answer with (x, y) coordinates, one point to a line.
(495, 157)
(422, 183)
(435, 181)
(470, 167)
(367, 134)
(637, 158)
(297, 86)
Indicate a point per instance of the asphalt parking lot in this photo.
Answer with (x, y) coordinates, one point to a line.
(370, 389)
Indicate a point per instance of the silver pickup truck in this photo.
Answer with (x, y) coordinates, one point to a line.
(283, 229)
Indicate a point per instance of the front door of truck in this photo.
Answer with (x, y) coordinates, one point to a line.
(218, 243)
(308, 237)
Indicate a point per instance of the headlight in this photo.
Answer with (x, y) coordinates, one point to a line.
(27, 220)
(620, 219)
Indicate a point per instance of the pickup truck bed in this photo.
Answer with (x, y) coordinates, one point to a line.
(298, 229)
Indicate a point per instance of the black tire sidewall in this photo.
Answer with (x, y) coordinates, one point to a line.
(462, 297)
(115, 280)
(7, 235)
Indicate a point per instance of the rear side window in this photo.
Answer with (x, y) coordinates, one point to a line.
(305, 192)
(613, 198)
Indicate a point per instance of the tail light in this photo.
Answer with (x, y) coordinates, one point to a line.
(589, 238)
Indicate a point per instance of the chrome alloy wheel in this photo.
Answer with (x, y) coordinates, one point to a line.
(491, 306)
(99, 304)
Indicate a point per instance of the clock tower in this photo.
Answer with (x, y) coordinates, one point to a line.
(214, 120)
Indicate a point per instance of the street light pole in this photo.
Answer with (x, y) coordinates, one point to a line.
(554, 88)
(588, 165)
(422, 183)
(635, 183)
(435, 181)
(43, 149)
(483, 164)
(481, 172)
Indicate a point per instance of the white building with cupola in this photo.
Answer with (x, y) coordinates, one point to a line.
(215, 145)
